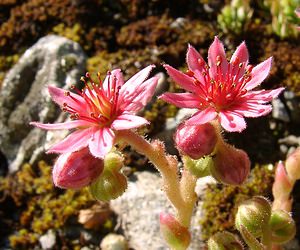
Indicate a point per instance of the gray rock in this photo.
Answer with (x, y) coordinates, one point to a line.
(48, 240)
(279, 111)
(24, 97)
(114, 242)
(290, 140)
(293, 105)
(139, 208)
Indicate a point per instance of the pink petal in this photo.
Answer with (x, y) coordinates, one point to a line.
(137, 99)
(195, 63)
(263, 96)
(240, 56)
(127, 121)
(202, 116)
(138, 78)
(64, 125)
(115, 74)
(181, 100)
(101, 142)
(73, 142)
(232, 122)
(181, 79)
(58, 95)
(253, 110)
(215, 51)
(259, 73)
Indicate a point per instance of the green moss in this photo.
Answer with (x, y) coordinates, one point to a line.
(42, 206)
(220, 202)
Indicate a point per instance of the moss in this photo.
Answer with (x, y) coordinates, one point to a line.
(220, 202)
(41, 206)
(286, 67)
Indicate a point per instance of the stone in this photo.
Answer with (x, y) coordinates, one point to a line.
(138, 210)
(279, 111)
(24, 97)
(114, 242)
(293, 105)
(48, 240)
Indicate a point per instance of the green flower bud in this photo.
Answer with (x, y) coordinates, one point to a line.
(282, 226)
(114, 160)
(254, 215)
(199, 168)
(223, 241)
(110, 185)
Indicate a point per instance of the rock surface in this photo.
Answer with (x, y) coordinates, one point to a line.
(23, 98)
(114, 242)
(139, 208)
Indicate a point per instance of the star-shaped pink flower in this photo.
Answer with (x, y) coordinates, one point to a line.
(222, 90)
(99, 110)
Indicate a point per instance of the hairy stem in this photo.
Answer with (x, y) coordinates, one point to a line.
(180, 193)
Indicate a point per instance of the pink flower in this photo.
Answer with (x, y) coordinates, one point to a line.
(222, 89)
(98, 111)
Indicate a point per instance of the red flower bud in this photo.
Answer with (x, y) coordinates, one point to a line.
(230, 165)
(77, 169)
(196, 141)
(177, 236)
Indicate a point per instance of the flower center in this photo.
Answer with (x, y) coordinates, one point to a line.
(98, 103)
(221, 89)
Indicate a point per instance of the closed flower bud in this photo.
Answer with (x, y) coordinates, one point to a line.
(282, 188)
(223, 241)
(254, 215)
(230, 165)
(77, 169)
(199, 168)
(177, 236)
(282, 226)
(196, 141)
(292, 165)
(110, 185)
(114, 160)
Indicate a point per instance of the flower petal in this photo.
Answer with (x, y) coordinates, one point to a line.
(115, 74)
(202, 116)
(195, 63)
(101, 142)
(63, 125)
(127, 121)
(181, 79)
(231, 121)
(263, 96)
(73, 142)
(137, 99)
(129, 87)
(253, 110)
(259, 73)
(181, 100)
(216, 51)
(59, 96)
(239, 57)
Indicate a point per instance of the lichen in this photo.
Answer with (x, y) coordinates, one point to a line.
(220, 202)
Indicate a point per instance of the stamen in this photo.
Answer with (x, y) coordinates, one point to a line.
(218, 59)
(67, 93)
(189, 73)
